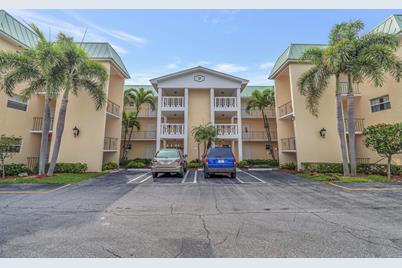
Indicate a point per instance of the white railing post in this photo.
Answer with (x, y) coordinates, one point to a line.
(158, 120)
(185, 142)
(239, 126)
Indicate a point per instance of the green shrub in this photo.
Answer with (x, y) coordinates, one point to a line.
(135, 164)
(273, 163)
(193, 165)
(378, 169)
(15, 169)
(290, 166)
(110, 166)
(263, 166)
(69, 167)
(323, 167)
(195, 161)
(242, 164)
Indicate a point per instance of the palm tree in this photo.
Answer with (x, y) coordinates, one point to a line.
(80, 73)
(357, 57)
(206, 134)
(129, 121)
(39, 67)
(137, 98)
(262, 100)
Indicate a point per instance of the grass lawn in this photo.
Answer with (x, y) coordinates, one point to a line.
(63, 178)
(340, 178)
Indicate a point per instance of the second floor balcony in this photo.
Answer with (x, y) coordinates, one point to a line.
(110, 144)
(344, 89)
(285, 110)
(259, 135)
(173, 131)
(37, 125)
(172, 103)
(359, 125)
(288, 144)
(141, 135)
(227, 131)
(225, 103)
(113, 109)
(270, 113)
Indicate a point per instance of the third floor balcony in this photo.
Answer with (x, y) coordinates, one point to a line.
(270, 113)
(37, 124)
(285, 110)
(227, 131)
(344, 89)
(172, 130)
(259, 135)
(112, 109)
(172, 103)
(359, 125)
(225, 103)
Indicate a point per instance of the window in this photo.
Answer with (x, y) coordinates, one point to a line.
(14, 148)
(380, 104)
(16, 102)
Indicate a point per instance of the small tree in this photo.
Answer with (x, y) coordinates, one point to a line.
(206, 134)
(385, 139)
(8, 147)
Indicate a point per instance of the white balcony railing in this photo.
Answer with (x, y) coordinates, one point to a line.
(172, 130)
(172, 103)
(227, 130)
(225, 103)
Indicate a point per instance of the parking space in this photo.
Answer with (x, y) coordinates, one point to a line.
(196, 177)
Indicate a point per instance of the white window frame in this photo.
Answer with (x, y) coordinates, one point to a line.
(379, 104)
(17, 99)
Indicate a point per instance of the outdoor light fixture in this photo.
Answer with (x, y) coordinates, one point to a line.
(323, 132)
(129, 146)
(76, 132)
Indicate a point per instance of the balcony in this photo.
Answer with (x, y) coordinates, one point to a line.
(270, 113)
(144, 112)
(359, 125)
(285, 111)
(228, 131)
(344, 89)
(113, 109)
(364, 160)
(288, 145)
(142, 135)
(172, 103)
(37, 124)
(259, 136)
(173, 131)
(110, 144)
(225, 103)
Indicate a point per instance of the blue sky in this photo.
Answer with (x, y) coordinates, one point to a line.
(244, 43)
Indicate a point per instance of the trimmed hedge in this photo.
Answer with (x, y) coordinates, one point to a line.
(258, 163)
(110, 166)
(290, 166)
(194, 165)
(69, 167)
(15, 169)
(145, 161)
(371, 169)
(135, 164)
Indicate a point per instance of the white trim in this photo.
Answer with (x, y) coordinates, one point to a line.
(185, 142)
(158, 121)
(112, 115)
(239, 127)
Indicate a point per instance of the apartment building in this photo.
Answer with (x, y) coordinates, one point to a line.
(194, 97)
(90, 136)
(301, 135)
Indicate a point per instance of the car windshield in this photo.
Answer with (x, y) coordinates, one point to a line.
(167, 154)
(220, 153)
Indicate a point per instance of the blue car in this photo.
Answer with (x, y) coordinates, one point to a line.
(219, 160)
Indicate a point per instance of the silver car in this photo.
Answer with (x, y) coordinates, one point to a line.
(169, 161)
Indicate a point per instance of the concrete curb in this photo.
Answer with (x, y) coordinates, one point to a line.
(262, 169)
(139, 169)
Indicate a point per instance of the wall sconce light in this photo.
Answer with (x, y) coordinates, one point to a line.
(129, 146)
(323, 132)
(76, 132)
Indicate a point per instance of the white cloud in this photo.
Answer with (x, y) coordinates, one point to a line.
(229, 68)
(172, 66)
(267, 65)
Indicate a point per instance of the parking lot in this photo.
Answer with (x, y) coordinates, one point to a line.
(258, 214)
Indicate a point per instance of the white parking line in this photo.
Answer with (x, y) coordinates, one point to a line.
(136, 178)
(239, 180)
(255, 177)
(185, 177)
(147, 178)
(195, 177)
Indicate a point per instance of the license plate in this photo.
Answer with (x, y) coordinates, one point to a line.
(221, 161)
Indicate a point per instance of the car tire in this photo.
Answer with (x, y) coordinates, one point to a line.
(233, 175)
(180, 174)
(207, 175)
(154, 174)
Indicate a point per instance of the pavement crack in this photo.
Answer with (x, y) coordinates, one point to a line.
(181, 249)
(112, 252)
(216, 201)
(208, 233)
(221, 242)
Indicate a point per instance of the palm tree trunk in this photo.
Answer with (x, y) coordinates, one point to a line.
(124, 142)
(351, 127)
(3, 169)
(341, 128)
(44, 143)
(125, 152)
(59, 132)
(267, 129)
(389, 167)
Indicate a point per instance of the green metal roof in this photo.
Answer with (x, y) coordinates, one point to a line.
(292, 53)
(104, 51)
(392, 25)
(247, 91)
(17, 31)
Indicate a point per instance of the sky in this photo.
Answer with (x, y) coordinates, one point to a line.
(244, 43)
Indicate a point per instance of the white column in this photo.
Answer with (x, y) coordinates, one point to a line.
(239, 126)
(185, 142)
(212, 108)
(159, 120)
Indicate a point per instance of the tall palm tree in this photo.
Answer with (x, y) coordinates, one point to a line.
(262, 100)
(137, 98)
(80, 73)
(207, 135)
(40, 68)
(129, 121)
(357, 57)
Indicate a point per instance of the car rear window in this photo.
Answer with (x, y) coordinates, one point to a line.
(167, 154)
(220, 153)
